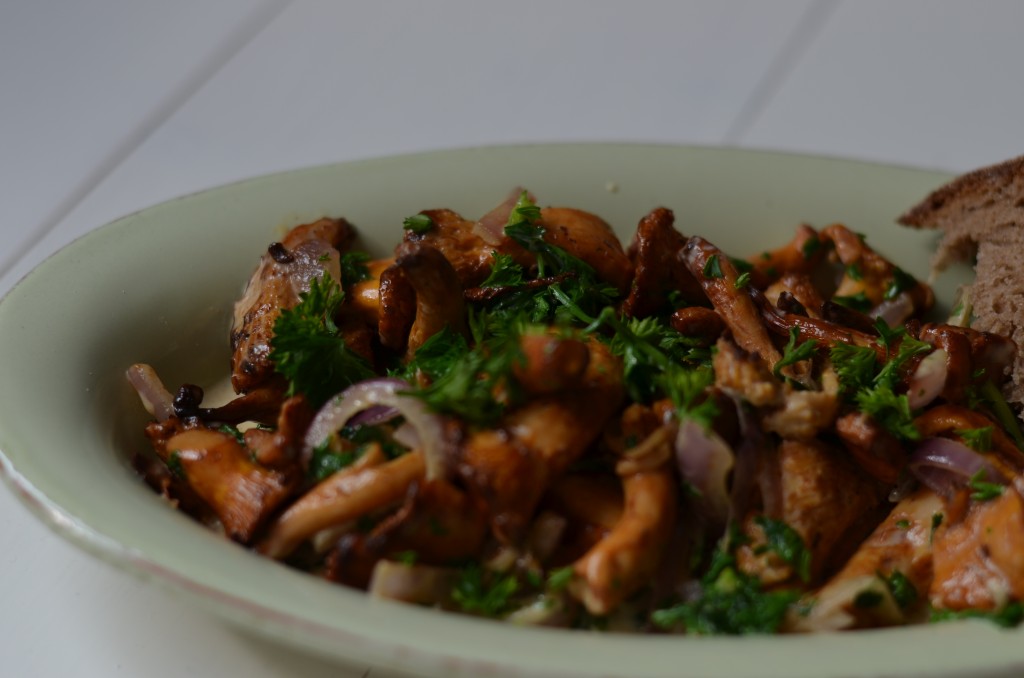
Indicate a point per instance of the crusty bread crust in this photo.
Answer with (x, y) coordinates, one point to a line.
(982, 214)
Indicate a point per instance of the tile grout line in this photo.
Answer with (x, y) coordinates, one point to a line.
(807, 29)
(175, 99)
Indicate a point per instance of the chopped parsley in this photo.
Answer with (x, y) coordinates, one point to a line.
(871, 386)
(810, 246)
(984, 490)
(652, 353)
(325, 462)
(574, 295)
(730, 602)
(741, 265)
(742, 280)
(231, 431)
(483, 592)
(468, 382)
(787, 544)
(175, 466)
(901, 282)
(437, 356)
(857, 302)
(407, 557)
(353, 268)
(687, 389)
(853, 272)
(713, 267)
(854, 365)
(1009, 616)
(993, 398)
(795, 353)
(867, 599)
(560, 578)
(308, 350)
(890, 411)
(505, 272)
(978, 439)
(902, 589)
(418, 223)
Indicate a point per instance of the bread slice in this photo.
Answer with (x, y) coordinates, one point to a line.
(982, 214)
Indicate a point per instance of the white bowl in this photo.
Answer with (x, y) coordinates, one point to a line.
(157, 287)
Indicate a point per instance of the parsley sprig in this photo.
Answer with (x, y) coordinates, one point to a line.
(794, 352)
(730, 602)
(308, 350)
(872, 385)
(787, 544)
(483, 592)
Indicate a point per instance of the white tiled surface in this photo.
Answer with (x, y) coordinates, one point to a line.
(111, 105)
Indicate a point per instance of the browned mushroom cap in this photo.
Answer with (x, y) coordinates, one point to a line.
(977, 561)
(367, 486)
(623, 561)
(900, 543)
(436, 293)
(510, 467)
(799, 255)
(717, 276)
(219, 469)
(658, 271)
(823, 496)
(874, 449)
(550, 363)
(589, 238)
(871, 274)
(801, 288)
(279, 448)
(459, 241)
(284, 272)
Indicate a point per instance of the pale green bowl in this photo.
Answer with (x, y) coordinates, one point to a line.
(157, 287)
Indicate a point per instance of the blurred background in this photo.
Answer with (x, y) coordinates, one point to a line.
(113, 105)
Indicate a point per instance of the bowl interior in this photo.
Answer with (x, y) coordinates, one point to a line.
(158, 286)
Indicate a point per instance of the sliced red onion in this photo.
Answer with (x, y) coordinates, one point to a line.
(544, 610)
(155, 397)
(545, 535)
(420, 584)
(705, 460)
(373, 416)
(371, 393)
(945, 465)
(749, 452)
(894, 311)
(928, 380)
(406, 435)
(491, 227)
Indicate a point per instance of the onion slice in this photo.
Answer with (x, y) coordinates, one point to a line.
(369, 395)
(945, 465)
(705, 460)
(155, 397)
(420, 584)
(894, 311)
(928, 380)
(491, 227)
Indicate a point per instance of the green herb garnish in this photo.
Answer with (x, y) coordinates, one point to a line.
(483, 592)
(795, 353)
(308, 350)
(787, 544)
(418, 223)
(713, 268)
